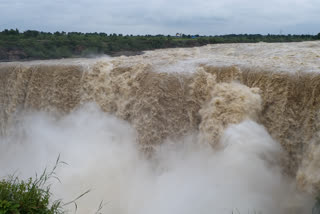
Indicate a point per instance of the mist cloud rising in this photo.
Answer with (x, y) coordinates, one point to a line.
(182, 177)
(163, 16)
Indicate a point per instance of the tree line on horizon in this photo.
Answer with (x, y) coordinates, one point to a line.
(32, 44)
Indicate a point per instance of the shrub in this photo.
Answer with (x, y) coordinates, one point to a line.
(30, 196)
(316, 207)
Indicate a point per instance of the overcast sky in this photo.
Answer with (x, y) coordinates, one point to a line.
(205, 17)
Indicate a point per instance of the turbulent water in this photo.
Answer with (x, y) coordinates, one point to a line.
(214, 129)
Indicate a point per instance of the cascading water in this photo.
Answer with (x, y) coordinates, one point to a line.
(220, 134)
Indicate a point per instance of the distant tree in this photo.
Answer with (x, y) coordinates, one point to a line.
(5, 32)
(13, 32)
(57, 33)
(31, 33)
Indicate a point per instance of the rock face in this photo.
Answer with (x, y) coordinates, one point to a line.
(3, 54)
(12, 55)
(16, 55)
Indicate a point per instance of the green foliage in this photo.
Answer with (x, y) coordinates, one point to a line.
(33, 44)
(8, 207)
(30, 196)
(316, 207)
(33, 195)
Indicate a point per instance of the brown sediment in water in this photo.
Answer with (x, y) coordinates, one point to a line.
(290, 106)
(157, 104)
(49, 88)
(230, 103)
(167, 105)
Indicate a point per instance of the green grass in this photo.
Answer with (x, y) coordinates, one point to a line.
(29, 196)
(33, 196)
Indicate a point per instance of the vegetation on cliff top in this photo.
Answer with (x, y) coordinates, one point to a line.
(31, 44)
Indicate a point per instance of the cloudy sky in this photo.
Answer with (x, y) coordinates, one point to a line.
(205, 17)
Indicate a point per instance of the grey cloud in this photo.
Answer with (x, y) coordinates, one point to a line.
(162, 16)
